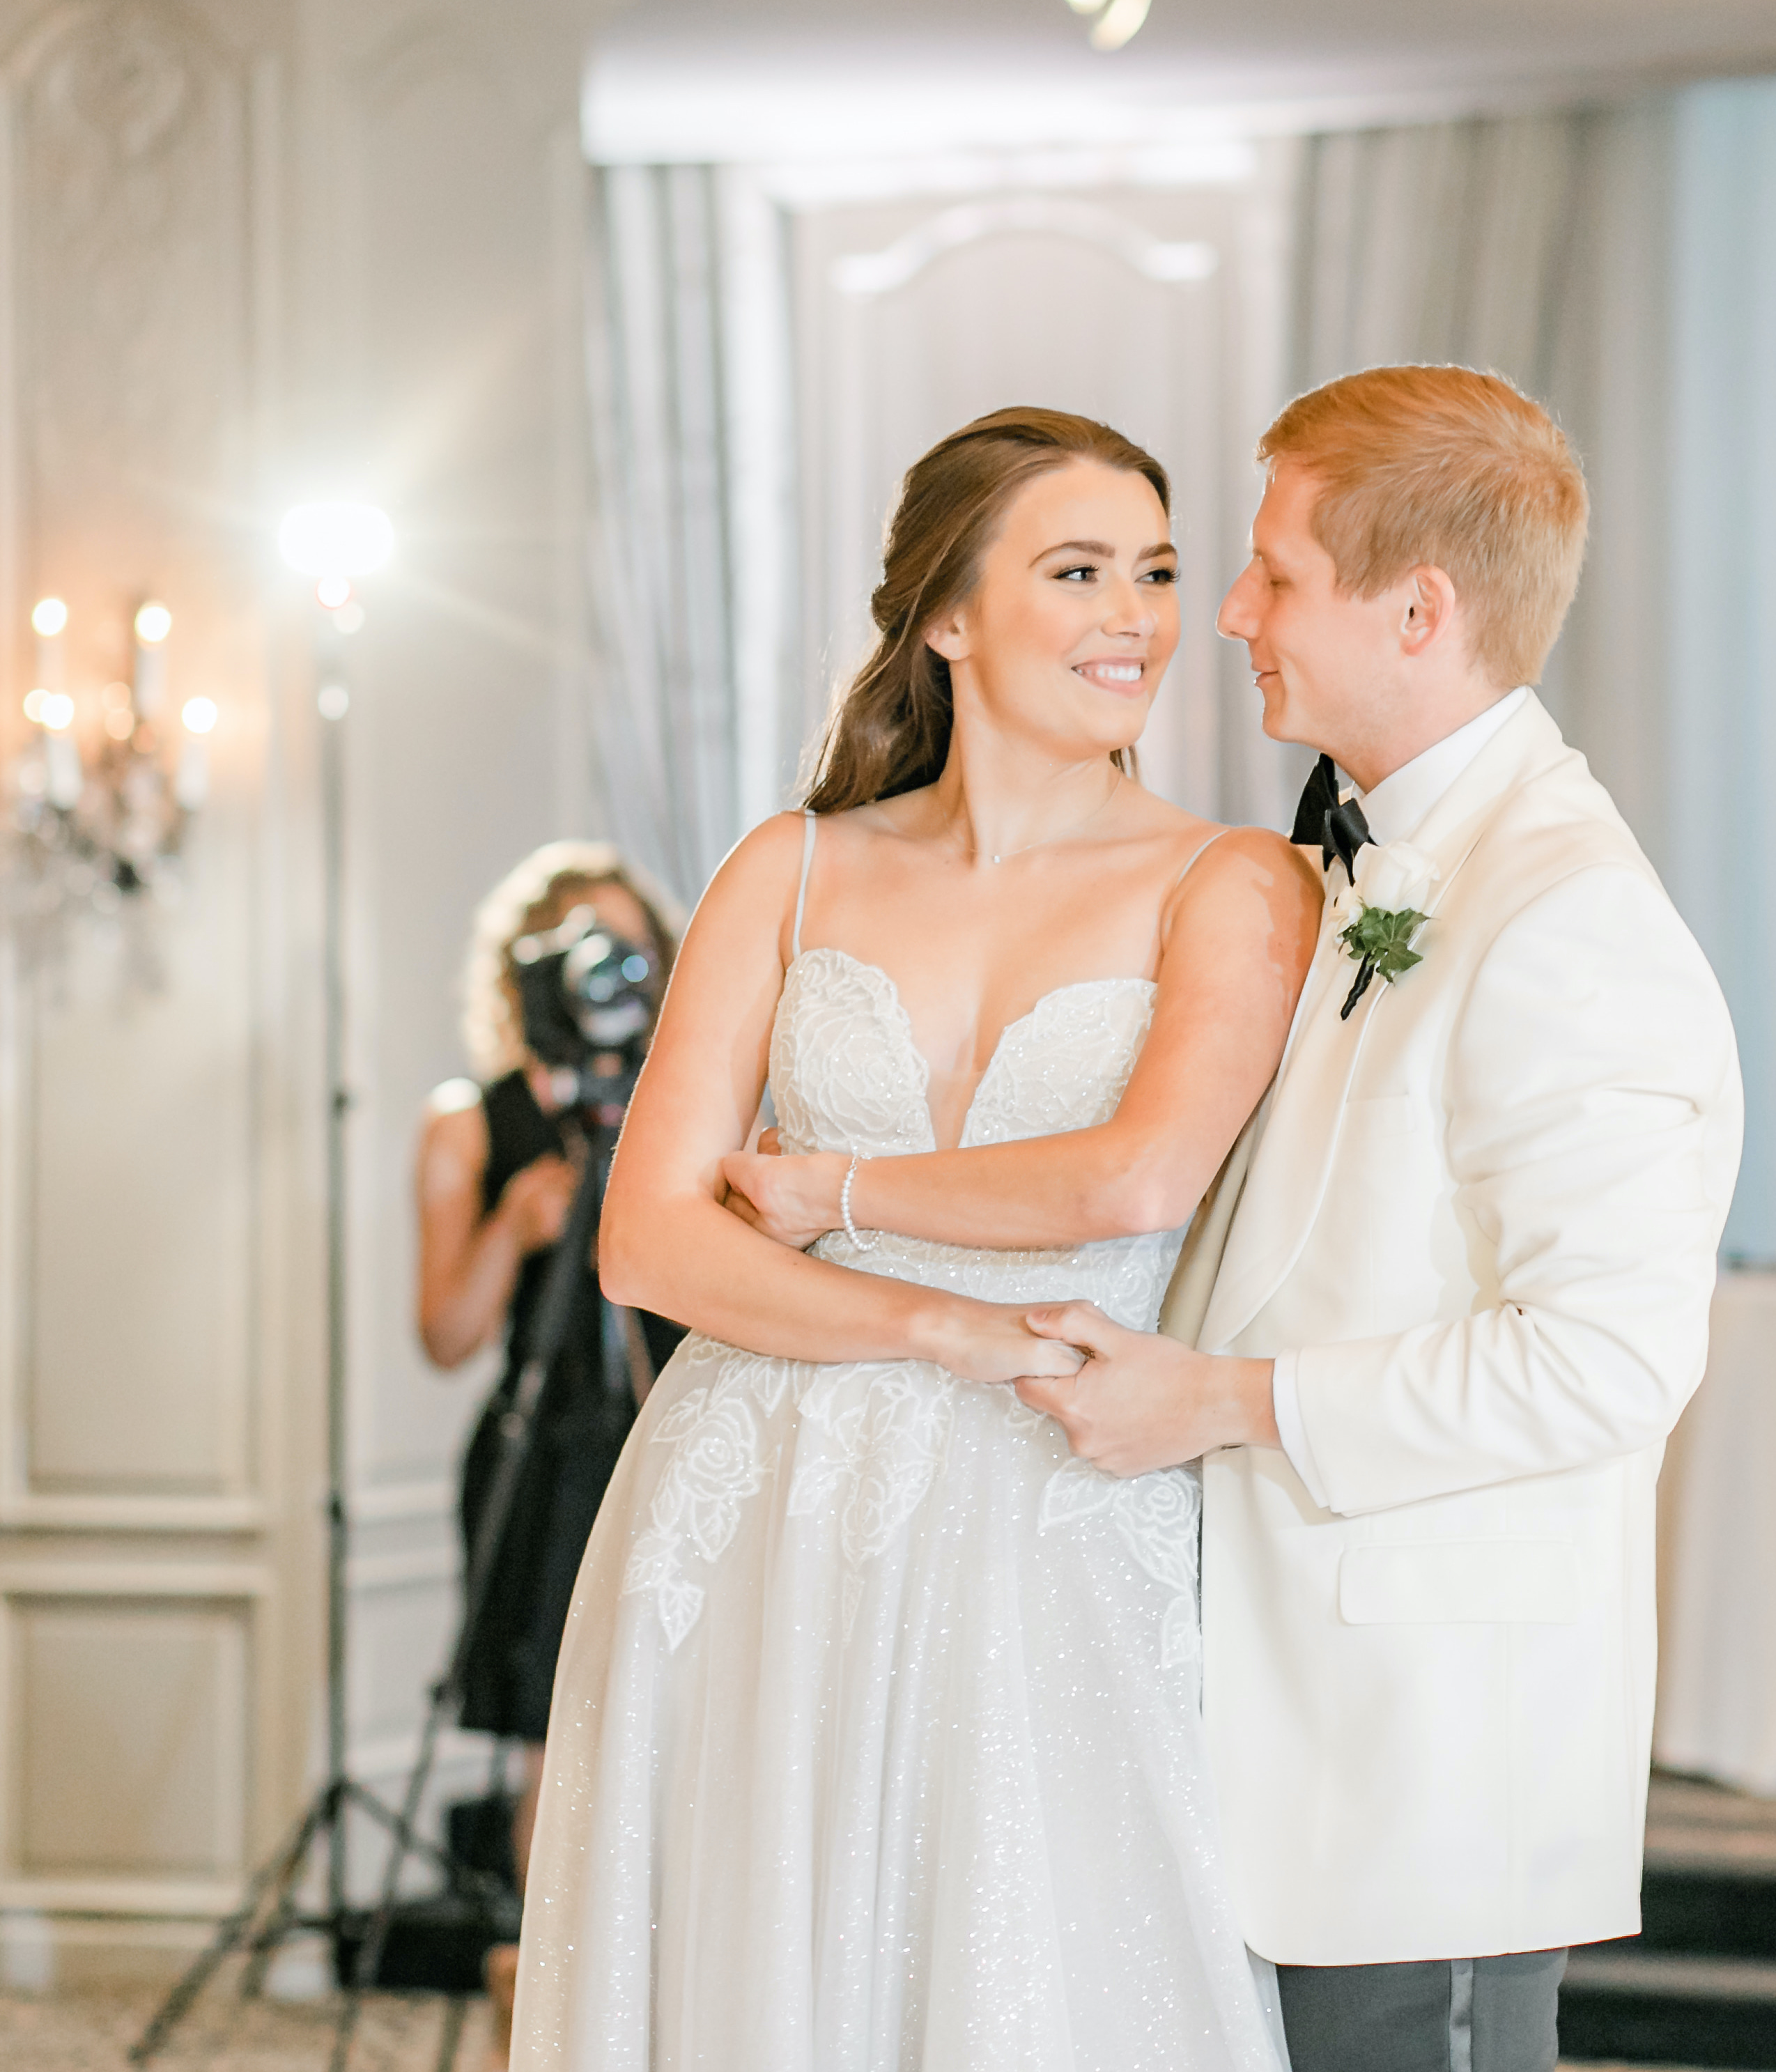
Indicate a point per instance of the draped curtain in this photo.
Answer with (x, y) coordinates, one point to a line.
(1718, 749)
(1443, 242)
(659, 572)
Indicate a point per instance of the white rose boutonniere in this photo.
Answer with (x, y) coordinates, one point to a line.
(1381, 915)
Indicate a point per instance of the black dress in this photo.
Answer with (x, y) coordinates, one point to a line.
(580, 1428)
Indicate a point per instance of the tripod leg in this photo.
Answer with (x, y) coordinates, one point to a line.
(279, 1924)
(401, 1843)
(456, 2010)
(330, 1812)
(280, 1875)
(346, 2027)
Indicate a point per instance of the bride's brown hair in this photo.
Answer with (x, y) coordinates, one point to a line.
(889, 731)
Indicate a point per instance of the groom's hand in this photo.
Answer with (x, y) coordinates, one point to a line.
(1141, 1401)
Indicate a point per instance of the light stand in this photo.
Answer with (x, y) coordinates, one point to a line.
(334, 543)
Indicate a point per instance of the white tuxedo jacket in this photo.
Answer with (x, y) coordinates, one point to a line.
(1487, 1208)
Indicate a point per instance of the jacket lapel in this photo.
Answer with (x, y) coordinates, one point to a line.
(1293, 1161)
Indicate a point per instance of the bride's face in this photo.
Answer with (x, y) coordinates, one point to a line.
(1076, 614)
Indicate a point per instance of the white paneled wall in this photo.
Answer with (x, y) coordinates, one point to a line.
(252, 249)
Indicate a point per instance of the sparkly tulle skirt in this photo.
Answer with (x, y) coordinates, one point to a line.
(876, 1742)
(876, 1746)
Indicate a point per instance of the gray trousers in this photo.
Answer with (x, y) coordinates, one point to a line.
(1478, 2014)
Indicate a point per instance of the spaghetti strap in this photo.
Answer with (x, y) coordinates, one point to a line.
(801, 889)
(1190, 865)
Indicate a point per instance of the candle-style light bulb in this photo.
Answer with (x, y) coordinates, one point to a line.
(191, 784)
(153, 622)
(49, 621)
(65, 777)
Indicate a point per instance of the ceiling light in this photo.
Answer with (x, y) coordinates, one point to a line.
(1117, 22)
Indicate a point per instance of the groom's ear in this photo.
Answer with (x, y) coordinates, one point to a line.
(1427, 610)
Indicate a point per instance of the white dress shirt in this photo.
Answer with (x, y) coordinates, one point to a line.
(1396, 810)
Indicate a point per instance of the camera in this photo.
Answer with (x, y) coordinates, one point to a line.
(588, 997)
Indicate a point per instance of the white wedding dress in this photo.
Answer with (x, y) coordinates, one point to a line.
(875, 1744)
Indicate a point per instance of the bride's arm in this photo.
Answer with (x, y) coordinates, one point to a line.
(1236, 944)
(666, 1245)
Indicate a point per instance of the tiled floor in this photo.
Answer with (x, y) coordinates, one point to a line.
(93, 2032)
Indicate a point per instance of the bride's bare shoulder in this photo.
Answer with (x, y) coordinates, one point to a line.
(1243, 848)
(1248, 879)
(771, 848)
(756, 878)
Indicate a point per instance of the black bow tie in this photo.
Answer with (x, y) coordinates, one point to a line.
(1340, 830)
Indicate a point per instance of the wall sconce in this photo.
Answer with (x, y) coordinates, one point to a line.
(106, 784)
(1117, 20)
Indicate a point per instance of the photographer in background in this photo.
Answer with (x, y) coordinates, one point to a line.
(499, 1165)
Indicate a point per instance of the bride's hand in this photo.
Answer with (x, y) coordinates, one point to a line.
(795, 1200)
(992, 1342)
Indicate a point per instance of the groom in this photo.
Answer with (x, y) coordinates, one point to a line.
(1464, 1293)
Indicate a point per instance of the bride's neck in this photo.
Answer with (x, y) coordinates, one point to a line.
(996, 798)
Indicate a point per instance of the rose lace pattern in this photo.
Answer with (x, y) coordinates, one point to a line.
(863, 1444)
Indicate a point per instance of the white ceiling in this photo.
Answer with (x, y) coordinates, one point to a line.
(745, 78)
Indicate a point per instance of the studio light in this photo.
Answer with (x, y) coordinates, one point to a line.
(334, 541)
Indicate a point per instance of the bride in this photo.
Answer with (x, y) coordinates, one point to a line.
(875, 1745)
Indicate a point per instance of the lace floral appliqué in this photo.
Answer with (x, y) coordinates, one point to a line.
(887, 1441)
(718, 1463)
(1159, 1517)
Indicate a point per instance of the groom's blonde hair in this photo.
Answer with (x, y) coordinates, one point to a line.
(1444, 467)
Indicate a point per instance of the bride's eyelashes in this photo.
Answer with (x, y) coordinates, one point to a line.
(1165, 575)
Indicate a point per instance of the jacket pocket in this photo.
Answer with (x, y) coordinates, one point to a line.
(1459, 1582)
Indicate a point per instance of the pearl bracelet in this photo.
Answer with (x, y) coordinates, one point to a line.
(851, 1229)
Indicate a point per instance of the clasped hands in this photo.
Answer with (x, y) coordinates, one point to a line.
(1129, 1401)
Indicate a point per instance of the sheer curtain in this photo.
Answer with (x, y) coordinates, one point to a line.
(692, 505)
(1443, 242)
(693, 512)
(1718, 749)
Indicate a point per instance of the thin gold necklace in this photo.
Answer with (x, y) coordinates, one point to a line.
(1004, 855)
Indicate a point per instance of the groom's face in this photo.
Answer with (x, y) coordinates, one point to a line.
(1324, 660)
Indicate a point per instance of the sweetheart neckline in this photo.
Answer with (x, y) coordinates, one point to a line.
(1029, 1014)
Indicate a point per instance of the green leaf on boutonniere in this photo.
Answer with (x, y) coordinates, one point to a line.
(1384, 940)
